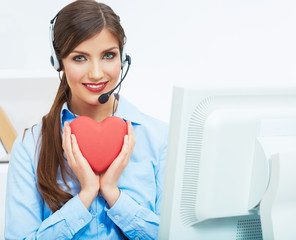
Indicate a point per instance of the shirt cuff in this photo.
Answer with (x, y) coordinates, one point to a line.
(123, 211)
(78, 218)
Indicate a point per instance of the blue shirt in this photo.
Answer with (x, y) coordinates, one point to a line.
(135, 215)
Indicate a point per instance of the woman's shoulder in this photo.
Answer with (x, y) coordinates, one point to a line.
(153, 122)
(32, 134)
(23, 153)
(154, 129)
(28, 139)
(130, 112)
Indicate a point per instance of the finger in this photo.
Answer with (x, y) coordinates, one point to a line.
(131, 134)
(129, 127)
(125, 147)
(67, 146)
(64, 135)
(75, 148)
(66, 138)
(79, 158)
(123, 153)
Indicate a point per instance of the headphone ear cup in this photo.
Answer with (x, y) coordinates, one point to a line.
(123, 58)
(55, 62)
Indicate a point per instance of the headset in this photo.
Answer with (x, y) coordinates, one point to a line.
(57, 63)
(58, 66)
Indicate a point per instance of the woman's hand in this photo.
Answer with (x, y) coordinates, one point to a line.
(109, 178)
(89, 181)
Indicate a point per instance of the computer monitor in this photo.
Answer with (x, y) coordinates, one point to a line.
(221, 141)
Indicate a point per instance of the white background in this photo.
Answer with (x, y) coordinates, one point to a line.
(170, 42)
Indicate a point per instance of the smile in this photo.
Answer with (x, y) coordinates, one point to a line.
(95, 87)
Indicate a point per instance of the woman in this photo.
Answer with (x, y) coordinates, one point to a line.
(52, 192)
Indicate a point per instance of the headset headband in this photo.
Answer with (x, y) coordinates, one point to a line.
(57, 63)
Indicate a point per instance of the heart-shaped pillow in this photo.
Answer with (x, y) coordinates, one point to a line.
(100, 143)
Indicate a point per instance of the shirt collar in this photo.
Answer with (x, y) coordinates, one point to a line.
(66, 114)
(128, 111)
(125, 110)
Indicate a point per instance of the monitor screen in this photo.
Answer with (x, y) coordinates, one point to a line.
(218, 166)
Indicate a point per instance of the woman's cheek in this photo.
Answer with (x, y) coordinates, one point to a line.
(74, 73)
(113, 69)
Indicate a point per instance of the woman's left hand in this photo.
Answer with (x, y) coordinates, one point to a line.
(109, 178)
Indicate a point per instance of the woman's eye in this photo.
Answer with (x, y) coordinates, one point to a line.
(109, 55)
(79, 58)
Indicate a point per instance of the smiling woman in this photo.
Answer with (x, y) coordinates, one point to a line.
(48, 175)
(93, 68)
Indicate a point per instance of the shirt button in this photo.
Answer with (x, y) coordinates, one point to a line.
(102, 225)
(116, 217)
(81, 221)
(136, 238)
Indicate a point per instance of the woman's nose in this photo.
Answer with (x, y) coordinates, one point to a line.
(96, 71)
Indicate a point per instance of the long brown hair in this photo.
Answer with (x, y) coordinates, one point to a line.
(74, 24)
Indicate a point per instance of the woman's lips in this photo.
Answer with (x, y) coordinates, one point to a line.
(95, 87)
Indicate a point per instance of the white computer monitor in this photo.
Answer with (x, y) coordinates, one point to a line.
(220, 146)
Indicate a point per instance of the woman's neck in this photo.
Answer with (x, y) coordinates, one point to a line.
(96, 112)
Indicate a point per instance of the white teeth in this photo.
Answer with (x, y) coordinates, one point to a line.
(94, 86)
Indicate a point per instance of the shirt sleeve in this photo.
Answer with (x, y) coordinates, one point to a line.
(160, 174)
(25, 207)
(134, 220)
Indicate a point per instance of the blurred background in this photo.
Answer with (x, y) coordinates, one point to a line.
(170, 42)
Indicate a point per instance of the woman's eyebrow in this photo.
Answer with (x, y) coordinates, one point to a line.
(110, 49)
(87, 54)
(80, 52)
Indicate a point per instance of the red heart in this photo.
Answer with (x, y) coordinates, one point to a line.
(100, 143)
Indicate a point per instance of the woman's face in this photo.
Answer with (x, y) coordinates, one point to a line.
(93, 68)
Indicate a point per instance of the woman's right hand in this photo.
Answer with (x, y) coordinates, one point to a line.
(89, 181)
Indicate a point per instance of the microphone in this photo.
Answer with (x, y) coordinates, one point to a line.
(105, 97)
